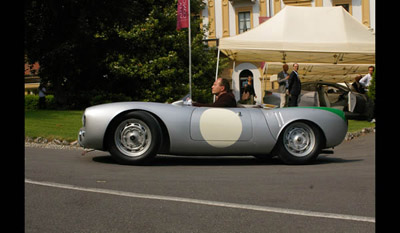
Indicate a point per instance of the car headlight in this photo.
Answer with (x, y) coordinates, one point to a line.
(83, 120)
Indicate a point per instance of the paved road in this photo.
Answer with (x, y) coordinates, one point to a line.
(67, 192)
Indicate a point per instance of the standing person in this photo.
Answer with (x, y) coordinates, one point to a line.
(224, 96)
(249, 91)
(283, 77)
(366, 80)
(365, 83)
(294, 86)
(42, 97)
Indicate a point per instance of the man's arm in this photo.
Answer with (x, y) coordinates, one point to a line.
(281, 78)
(364, 81)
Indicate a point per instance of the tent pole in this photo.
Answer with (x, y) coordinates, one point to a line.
(265, 71)
(216, 70)
(233, 71)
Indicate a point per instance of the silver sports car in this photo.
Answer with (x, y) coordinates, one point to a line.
(135, 132)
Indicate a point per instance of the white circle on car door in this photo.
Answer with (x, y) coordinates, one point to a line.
(220, 127)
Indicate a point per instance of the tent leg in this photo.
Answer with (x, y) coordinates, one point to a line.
(265, 71)
(216, 70)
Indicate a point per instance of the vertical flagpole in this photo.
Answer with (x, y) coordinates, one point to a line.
(190, 53)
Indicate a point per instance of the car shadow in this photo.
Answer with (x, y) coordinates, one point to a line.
(172, 160)
(326, 160)
(168, 160)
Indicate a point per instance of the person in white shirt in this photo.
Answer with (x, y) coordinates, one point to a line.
(366, 80)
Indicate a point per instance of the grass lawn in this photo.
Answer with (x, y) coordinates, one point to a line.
(52, 124)
(355, 125)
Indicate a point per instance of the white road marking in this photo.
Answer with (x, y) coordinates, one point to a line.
(206, 202)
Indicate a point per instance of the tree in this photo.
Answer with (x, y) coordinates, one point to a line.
(118, 49)
(154, 58)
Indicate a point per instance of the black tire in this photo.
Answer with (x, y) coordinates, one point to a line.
(134, 138)
(300, 143)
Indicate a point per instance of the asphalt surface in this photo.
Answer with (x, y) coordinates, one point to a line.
(68, 192)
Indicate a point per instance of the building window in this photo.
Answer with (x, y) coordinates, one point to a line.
(346, 4)
(297, 2)
(244, 21)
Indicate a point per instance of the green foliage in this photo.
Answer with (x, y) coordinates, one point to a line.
(103, 98)
(88, 49)
(32, 102)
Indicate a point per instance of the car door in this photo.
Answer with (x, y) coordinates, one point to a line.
(351, 98)
(221, 127)
(309, 95)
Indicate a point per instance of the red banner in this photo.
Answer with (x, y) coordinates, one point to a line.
(182, 14)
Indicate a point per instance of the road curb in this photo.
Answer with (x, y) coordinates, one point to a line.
(52, 144)
(351, 135)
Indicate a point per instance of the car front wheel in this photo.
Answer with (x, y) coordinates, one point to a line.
(134, 138)
(300, 143)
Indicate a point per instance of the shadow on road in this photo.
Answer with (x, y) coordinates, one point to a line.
(326, 160)
(170, 160)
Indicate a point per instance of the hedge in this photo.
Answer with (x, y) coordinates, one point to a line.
(32, 102)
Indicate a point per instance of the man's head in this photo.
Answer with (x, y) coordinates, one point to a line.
(296, 67)
(371, 70)
(220, 86)
(250, 79)
(285, 67)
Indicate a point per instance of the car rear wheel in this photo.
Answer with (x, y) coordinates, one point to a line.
(300, 143)
(134, 138)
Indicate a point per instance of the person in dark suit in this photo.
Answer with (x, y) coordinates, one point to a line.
(294, 86)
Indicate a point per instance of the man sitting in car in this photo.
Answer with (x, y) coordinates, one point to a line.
(223, 95)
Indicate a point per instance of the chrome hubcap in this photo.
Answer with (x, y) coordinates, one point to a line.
(132, 137)
(299, 139)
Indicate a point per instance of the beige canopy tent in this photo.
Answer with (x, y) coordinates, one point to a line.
(305, 35)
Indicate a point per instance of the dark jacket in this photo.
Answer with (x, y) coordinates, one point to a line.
(249, 88)
(294, 84)
(224, 100)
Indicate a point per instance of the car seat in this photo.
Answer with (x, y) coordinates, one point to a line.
(323, 97)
